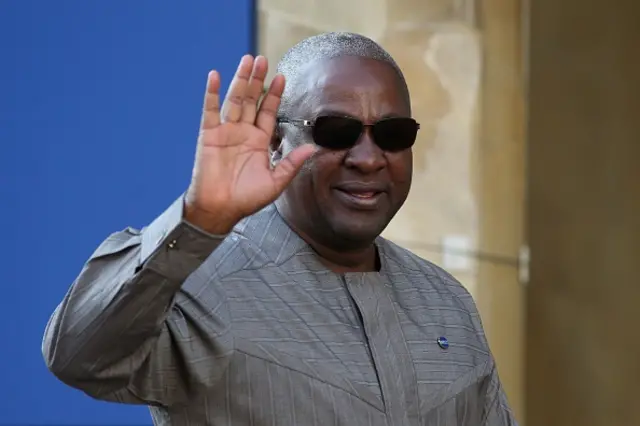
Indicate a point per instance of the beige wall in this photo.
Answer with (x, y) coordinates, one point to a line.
(462, 61)
(583, 341)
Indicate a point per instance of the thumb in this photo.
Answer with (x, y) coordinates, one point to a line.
(288, 167)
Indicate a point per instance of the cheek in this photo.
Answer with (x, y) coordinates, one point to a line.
(401, 170)
(401, 163)
(319, 170)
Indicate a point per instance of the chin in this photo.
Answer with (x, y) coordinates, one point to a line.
(357, 233)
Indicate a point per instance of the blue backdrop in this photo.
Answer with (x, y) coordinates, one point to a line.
(99, 109)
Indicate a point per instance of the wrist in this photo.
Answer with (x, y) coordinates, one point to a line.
(212, 223)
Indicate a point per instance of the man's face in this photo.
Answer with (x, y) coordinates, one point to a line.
(347, 196)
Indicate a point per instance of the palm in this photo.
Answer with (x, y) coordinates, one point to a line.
(234, 160)
(232, 175)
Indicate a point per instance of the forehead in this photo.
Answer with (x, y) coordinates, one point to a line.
(354, 86)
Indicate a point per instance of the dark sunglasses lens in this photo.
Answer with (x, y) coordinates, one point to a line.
(336, 132)
(395, 134)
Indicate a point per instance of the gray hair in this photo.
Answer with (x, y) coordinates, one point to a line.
(328, 46)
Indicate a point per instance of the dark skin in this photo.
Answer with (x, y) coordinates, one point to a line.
(344, 233)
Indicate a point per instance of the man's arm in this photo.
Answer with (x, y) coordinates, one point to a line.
(495, 407)
(113, 331)
(497, 411)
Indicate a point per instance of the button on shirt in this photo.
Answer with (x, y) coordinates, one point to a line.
(252, 329)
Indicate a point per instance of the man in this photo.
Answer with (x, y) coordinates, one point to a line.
(265, 294)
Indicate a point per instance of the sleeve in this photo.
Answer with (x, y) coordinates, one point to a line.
(495, 407)
(497, 411)
(117, 323)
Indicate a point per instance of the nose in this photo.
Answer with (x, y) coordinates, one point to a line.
(365, 156)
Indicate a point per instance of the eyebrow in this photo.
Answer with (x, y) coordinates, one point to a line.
(339, 113)
(332, 112)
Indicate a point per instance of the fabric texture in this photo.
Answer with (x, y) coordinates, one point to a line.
(251, 329)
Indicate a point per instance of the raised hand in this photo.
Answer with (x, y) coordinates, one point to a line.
(232, 176)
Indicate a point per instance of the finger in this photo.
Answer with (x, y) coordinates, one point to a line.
(254, 90)
(211, 108)
(267, 115)
(232, 106)
(288, 167)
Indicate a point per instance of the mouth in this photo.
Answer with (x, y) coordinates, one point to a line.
(360, 199)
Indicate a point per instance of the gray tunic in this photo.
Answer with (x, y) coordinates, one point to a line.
(251, 329)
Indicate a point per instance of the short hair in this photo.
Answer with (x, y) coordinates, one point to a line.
(327, 46)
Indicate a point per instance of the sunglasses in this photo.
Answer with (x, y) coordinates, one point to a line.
(337, 133)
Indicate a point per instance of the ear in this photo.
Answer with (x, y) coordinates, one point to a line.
(275, 146)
